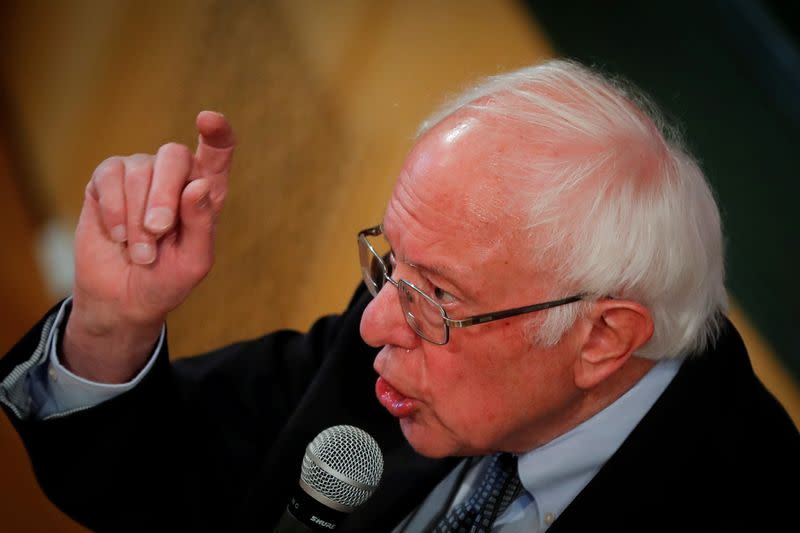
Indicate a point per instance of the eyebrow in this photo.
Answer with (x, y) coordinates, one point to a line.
(440, 270)
(443, 272)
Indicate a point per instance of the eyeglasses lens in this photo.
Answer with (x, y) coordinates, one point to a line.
(425, 317)
(422, 315)
(371, 268)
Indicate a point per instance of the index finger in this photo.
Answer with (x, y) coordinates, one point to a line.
(214, 145)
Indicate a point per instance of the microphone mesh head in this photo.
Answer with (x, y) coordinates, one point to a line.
(343, 464)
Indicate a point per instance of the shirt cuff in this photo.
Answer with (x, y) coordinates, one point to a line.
(62, 392)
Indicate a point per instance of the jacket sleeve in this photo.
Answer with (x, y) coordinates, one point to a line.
(180, 449)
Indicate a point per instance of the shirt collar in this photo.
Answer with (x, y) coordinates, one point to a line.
(556, 472)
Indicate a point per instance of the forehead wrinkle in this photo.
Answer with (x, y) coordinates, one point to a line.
(397, 210)
(432, 234)
(453, 199)
(491, 199)
(434, 211)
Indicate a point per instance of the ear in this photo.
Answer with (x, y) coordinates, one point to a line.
(618, 328)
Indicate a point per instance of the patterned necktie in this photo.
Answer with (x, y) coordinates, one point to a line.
(498, 488)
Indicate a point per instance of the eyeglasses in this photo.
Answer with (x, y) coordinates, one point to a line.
(426, 316)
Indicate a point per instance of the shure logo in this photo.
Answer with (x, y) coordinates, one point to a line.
(322, 522)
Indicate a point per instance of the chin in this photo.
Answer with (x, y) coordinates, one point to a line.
(427, 441)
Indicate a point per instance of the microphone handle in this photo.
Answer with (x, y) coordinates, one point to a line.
(304, 514)
(290, 524)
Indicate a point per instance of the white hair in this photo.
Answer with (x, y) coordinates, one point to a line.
(616, 204)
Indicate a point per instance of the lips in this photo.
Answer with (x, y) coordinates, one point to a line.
(393, 401)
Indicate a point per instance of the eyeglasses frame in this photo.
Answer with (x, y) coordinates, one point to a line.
(452, 322)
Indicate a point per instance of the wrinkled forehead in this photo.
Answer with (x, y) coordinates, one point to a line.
(451, 196)
(454, 167)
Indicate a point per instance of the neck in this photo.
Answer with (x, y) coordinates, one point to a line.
(609, 391)
(587, 403)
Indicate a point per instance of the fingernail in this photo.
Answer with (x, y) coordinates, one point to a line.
(119, 233)
(143, 253)
(159, 219)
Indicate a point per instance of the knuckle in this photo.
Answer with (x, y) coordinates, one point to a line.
(108, 168)
(110, 162)
(91, 190)
(197, 269)
(218, 197)
(139, 164)
(174, 149)
(134, 178)
(111, 211)
(138, 170)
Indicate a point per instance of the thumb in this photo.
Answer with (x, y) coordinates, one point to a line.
(197, 223)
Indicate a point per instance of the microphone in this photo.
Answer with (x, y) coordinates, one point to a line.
(341, 469)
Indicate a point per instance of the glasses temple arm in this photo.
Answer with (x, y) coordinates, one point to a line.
(498, 315)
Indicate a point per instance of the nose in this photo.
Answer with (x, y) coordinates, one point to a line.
(383, 323)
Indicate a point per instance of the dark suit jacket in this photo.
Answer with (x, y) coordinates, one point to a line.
(215, 442)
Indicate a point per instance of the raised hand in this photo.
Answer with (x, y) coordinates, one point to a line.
(145, 239)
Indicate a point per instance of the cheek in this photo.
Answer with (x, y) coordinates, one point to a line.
(503, 369)
(442, 373)
(472, 382)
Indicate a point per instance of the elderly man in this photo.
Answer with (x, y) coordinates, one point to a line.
(546, 292)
